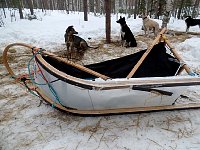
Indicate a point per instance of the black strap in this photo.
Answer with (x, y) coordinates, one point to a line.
(153, 90)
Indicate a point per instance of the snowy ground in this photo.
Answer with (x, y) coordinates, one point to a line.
(26, 125)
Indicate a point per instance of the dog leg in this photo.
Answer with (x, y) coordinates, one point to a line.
(156, 31)
(147, 32)
(128, 44)
(124, 43)
(187, 29)
(71, 50)
(67, 52)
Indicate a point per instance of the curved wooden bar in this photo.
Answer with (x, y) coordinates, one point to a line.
(5, 55)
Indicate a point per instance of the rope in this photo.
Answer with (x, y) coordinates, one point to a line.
(29, 89)
(21, 78)
(52, 90)
(29, 64)
(24, 77)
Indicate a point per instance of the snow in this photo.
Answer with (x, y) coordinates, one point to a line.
(26, 125)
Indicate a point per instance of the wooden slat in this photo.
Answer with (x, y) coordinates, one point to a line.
(146, 53)
(85, 69)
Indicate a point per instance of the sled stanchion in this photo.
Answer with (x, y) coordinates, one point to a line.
(145, 54)
(172, 49)
(85, 69)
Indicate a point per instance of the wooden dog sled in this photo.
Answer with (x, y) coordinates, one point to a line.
(149, 80)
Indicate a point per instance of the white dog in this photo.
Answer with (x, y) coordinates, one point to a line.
(150, 24)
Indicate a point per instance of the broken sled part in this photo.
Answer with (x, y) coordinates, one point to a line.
(105, 88)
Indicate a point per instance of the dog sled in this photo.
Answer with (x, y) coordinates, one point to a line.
(149, 80)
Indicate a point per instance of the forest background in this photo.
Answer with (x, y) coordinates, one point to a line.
(154, 8)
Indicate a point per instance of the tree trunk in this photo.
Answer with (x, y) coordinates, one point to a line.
(68, 7)
(168, 9)
(85, 9)
(97, 5)
(195, 9)
(136, 9)
(129, 9)
(151, 8)
(51, 5)
(126, 6)
(108, 21)
(20, 10)
(30, 4)
(73, 4)
(157, 9)
(4, 12)
(180, 9)
(113, 6)
(91, 5)
(120, 4)
(102, 5)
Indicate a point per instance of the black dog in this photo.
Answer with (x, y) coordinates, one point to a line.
(127, 36)
(191, 22)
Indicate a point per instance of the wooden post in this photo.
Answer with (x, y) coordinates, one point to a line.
(146, 53)
(172, 49)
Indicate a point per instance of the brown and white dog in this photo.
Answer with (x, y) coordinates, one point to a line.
(75, 42)
(149, 24)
